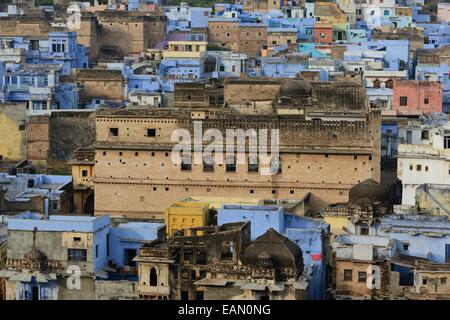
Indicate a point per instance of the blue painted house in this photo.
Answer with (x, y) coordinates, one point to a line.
(127, 238)
(312, 235)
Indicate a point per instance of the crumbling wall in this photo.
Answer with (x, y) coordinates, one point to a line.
(70, 130)
(109, 290)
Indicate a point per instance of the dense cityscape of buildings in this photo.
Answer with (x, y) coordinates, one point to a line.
(352, 202)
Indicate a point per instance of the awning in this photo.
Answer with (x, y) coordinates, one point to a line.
(276, 287)
(7, 273)
(301, 284)
(254, 286)
(212, 282)
(28, 276)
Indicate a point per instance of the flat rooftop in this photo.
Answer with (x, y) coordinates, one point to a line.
(27, 221)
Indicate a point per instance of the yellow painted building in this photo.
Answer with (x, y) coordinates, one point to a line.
(12, 131)
(403, 11)
(218, 202)
(329, 12)
(338, 224)
(185, 49)
(194, 211)
(186, 214)
(83, 164)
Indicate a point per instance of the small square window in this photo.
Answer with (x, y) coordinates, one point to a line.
(419, 167)
(84, 173)
(151, 132)
(426, 101)
(403, 101)
(114, 132)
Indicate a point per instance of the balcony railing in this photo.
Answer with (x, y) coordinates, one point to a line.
(18, 87)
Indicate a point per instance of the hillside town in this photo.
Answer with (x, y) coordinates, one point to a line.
(229, 150)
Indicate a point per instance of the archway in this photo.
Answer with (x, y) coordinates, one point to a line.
(153, 278)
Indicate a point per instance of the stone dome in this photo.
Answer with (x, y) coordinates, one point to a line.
(281, 251)
(370, 190)
(35, 260)
(295, 88)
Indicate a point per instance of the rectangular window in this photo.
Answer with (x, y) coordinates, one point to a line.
(199, 295)
(348, 275)
(227, 251)
(84, 173)
(208, 164)
(447, 142)
(186, 163)
(362, 276)
(403, 101)
(426, 101)
(200, 257)
(107, 244)
(96, 250)
(419, 167)
(231, 164)
(253, 166)
(76, 254)
(447, 253)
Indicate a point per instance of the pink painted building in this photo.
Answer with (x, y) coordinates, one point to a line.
(414, 95)
(323, 33)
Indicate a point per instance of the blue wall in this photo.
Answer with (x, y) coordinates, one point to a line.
(130, 236)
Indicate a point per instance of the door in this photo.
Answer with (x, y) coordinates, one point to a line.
(128, 255)
(408, 137)
(35, 293)
(447, 253)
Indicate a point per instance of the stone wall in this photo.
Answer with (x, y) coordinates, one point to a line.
(38, 142)
(27, 25)
(97, 83)
(135, 175)
(70, 130)
(109, 290)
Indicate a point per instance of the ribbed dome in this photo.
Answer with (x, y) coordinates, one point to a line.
(369, 189)
(36, 260)
(295, 88)
(281, 251)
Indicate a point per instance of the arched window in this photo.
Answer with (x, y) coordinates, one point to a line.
(389, 84)
(153, 278)
(376, 83)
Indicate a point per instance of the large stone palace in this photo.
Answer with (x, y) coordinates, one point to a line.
(329, 140)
